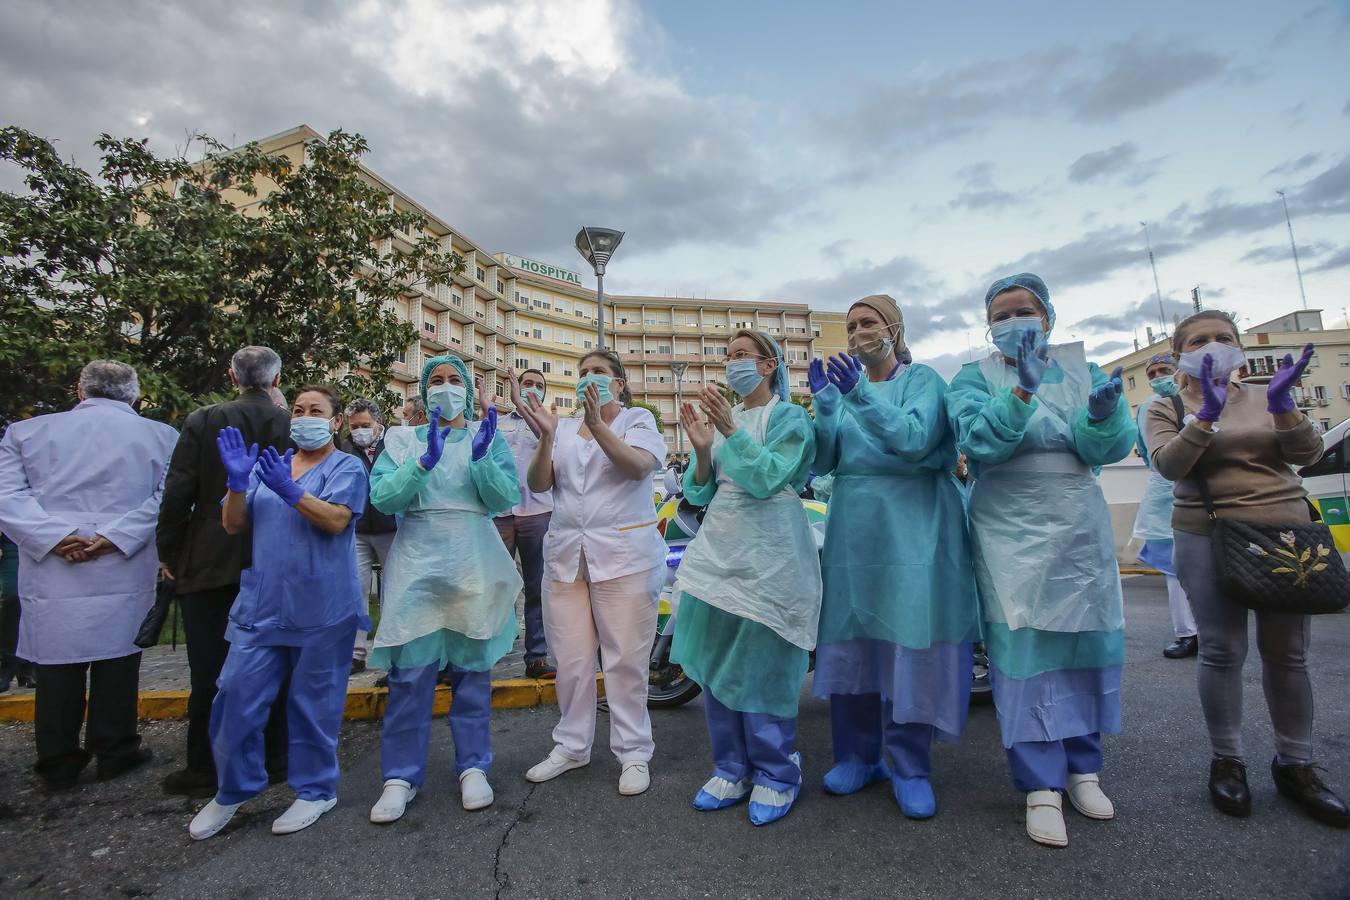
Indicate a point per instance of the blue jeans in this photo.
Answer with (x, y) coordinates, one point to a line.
(525, 535)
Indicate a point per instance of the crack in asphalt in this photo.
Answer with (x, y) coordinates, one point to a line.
(503, 879)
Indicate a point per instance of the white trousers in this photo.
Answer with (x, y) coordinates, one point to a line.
(369, 549)
(1183, 621)
(617, 617)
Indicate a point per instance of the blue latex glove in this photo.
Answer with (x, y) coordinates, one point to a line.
(237, 459)
(815, 376)
(1104, 398)
(275, 472)
(1280, 390)
(1033, 356)
(1216, 395)
(435, 441)
(483, 439)
(845, 372)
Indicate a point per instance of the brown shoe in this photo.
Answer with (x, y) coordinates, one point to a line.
(540, 669)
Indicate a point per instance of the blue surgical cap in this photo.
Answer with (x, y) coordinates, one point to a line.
(780, 374)
(1031, 283)
(1156, 358)
(449, 359)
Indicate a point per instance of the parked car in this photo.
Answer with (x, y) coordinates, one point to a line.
(1328, 484)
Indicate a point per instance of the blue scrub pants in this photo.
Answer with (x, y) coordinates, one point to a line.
(250, 681)
(860, 723)
(1047, 765)
(752, 745)
(407, 721)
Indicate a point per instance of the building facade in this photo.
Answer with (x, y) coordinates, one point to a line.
(1323, 393)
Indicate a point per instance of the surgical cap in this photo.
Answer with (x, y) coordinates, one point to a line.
(451, 360)
(780, 374)
(1030, 282)
(1165, 358)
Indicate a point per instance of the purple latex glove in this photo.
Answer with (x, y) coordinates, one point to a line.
(1280, 390)
(237, 458)
(275, 472)
(1216, 395)
(435, 441)
(815, 376)
(845, 372)
(483, 439)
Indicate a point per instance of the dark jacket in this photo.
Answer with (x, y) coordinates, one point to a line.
(374, 521)
(190, 538)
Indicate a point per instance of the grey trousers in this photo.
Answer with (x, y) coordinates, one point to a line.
(1281, 639)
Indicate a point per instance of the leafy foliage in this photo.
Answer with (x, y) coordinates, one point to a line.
(172, 265)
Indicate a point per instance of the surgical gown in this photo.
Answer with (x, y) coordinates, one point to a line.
(1043, 546)
(1153, 523)
(899, 611)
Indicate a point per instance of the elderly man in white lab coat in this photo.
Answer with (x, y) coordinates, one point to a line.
(79, 494)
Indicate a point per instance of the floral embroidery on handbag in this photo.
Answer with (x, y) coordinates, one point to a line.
(1301, 565)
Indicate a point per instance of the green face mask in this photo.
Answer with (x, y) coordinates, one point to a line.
(1165, 386)
(601, 383)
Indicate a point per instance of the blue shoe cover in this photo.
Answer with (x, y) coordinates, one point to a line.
(915, 796)
(769, 804)
(851, 777)
(720, 793)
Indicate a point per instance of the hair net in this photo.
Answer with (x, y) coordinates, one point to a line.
(780, 374)
(890, 313)
(1031, 283)
(451, 360)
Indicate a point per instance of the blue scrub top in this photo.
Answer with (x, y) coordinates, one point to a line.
(303, 584)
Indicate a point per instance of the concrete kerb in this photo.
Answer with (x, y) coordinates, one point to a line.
(362, 702)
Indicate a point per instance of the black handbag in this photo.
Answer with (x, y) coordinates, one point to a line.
(1286, 568)
(147, 635)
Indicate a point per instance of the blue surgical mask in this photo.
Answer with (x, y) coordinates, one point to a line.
(311, 432)
(743, 376)
(1165, 386)
(1007, 334)
(601, 383)
(536, 393)
(449, 397)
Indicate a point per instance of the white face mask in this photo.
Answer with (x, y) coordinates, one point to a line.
(449, 397)
(1228, 358)
(363, 437)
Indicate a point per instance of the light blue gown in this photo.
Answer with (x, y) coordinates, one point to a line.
(1044, 560)
(449, 594)
(899, 611)
(295, 621)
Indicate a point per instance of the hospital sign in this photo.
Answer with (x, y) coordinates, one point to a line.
(536, 267)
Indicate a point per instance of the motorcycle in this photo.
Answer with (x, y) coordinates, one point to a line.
(678, 521)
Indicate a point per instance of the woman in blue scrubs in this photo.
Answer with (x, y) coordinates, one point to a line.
(899, 613)
(1034, 422)
(296, 615)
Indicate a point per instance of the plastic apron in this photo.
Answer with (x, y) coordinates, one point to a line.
(756, 559)
(1154, 520)
(1040, 527)
(448, 567)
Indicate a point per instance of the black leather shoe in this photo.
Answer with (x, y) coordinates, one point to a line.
(111, 767)
(190, 783)
(1303, 785)
(1182, 647)
(540, 669)
(1228, 786)
(358, 666)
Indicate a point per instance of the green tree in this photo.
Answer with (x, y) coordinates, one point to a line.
(171, 265)
(656, 413)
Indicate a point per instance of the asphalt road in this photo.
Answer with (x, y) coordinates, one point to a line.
(576, 837)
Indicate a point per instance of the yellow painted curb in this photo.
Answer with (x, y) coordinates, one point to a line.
(1139, 570)
(362, 702)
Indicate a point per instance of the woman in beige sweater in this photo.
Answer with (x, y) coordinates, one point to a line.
(1242, 439)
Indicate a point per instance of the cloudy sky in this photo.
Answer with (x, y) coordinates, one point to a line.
(787, 151)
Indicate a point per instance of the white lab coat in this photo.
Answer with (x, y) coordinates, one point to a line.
(523, 443)
(98, 468)
(599, 511)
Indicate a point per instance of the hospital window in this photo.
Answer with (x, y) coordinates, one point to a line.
(522, 362)
(478, 270)
(1319, 392)
(1344, 358)
(1326, 425)
(1131, 382)
(546, 366)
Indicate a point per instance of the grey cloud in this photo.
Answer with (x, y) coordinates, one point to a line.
(515, 168)
(948, 364)
(1327, 193)
(1089, 258)
(835, 250)
(1139, 73)
(1110, 348)
(1280, 253)
(1143, 314)
(1121, 161)
(1338, 260)
(1294, 165)
(986, 199)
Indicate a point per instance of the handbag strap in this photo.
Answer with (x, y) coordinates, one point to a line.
(1195, 473)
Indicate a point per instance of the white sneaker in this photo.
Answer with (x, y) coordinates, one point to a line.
(474, 790)
(554, 765)
(212, 817)
(393, 802)
(301, 815)
(635, 779)
(1045, 819)
(1085, 793)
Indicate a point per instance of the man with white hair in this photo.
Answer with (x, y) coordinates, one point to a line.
(79, 494)
(204, 562)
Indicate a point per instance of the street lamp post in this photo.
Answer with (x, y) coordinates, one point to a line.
(678, 368)
(597, 245)
(1293, 247)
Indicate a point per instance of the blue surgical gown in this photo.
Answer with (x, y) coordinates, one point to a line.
(302, 587)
